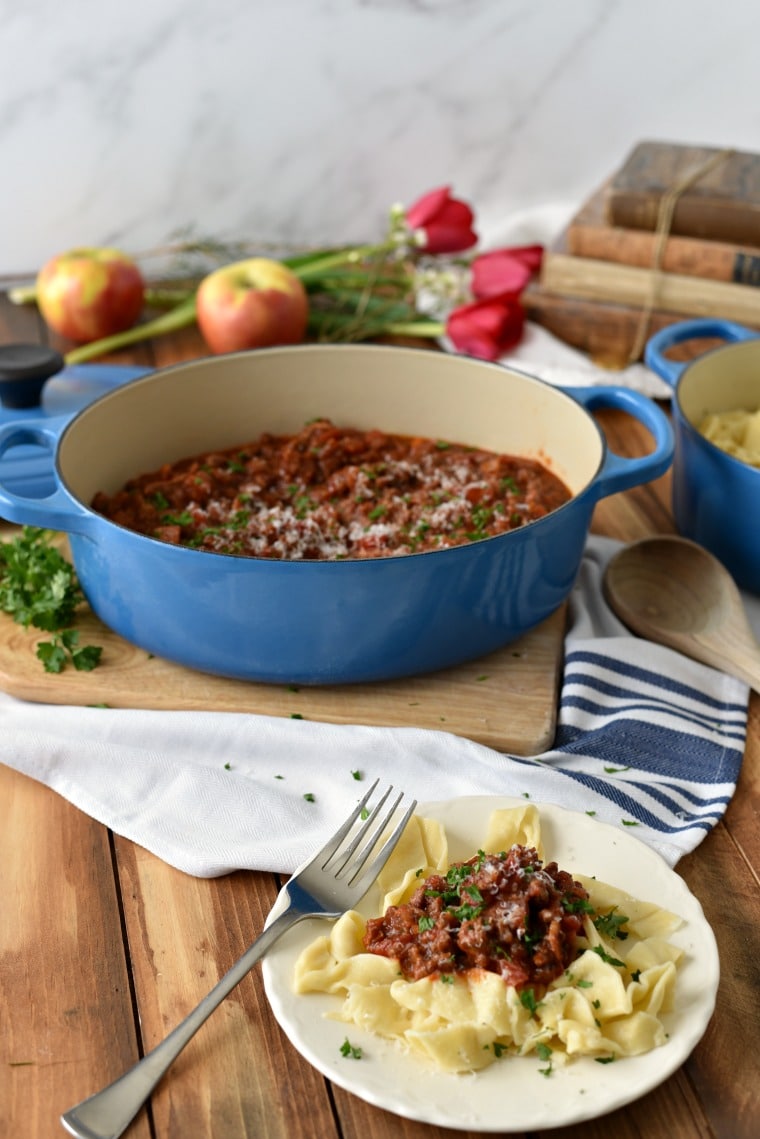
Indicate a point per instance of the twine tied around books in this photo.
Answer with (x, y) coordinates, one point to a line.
(662, 232)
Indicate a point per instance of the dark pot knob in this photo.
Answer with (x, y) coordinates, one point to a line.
(24, 371)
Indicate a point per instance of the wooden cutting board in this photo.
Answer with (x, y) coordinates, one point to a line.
(506, 700)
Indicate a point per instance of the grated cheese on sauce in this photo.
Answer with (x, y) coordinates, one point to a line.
(329, 493)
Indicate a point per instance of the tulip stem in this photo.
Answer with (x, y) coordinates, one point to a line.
(23, 295)
(154, 298)
(308, 269)
(179, 317)
(433, 328)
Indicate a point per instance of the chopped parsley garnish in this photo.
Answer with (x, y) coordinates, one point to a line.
(183, 519)
(528, 1000)
(544, 1053)
(38, 587)
(605, 956)
(350, 1050)
(577, 906)
(609, 924)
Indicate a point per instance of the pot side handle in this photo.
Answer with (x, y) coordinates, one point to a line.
(619, 472)
(657, 345)
(58, 511)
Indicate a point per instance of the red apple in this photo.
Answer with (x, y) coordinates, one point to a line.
(87, 294)
(251, 304)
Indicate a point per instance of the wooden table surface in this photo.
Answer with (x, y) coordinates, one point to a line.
(103, 948)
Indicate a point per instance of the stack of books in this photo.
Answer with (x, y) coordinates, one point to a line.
(624, 268)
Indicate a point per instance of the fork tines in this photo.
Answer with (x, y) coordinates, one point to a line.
(374, 826)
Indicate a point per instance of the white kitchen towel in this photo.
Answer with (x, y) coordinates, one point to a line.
(647, 740)
(541, 354)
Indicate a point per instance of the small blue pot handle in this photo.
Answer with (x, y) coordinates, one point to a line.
(618, 472)
(58, 511)
(670, 370)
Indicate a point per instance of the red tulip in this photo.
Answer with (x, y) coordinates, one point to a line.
(487, 328)
(444, 222)
(505, 270)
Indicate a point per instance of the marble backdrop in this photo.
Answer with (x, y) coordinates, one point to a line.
(301, 121)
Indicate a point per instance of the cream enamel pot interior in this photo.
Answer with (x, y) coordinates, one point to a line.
(716, 497)
(342, 621)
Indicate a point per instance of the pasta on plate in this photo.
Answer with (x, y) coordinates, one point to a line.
(607, 1003)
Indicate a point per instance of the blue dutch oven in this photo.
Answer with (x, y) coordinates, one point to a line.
(328, 622)
(716, 497)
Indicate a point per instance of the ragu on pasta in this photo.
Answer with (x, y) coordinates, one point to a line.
(329, 492)
(605, 1002)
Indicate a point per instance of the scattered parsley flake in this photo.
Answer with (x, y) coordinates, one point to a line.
(528, 1000)
(309, 797)
(349, 1049)
(629, 822)
(614, 770)
(357, 775)
(609, 924)
(605, 956)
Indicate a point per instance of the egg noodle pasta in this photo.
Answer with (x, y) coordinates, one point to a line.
(736, 432)
(606, 1003)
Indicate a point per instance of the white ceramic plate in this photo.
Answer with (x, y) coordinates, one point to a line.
(511, 1095)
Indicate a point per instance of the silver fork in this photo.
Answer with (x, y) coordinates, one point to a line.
(336, 878)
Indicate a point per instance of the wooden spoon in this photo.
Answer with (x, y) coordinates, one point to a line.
(673, 591)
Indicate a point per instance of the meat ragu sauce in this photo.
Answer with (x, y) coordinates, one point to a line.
(505, 913)
(334, 492)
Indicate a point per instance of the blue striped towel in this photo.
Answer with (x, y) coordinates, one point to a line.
(646, 740)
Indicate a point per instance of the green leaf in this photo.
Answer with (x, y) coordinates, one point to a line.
(87, 658)
(39, 588)
(52, 656)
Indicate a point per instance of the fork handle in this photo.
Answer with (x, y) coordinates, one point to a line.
(108, 1113)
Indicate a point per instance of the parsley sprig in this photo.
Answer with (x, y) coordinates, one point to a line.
(39, 588)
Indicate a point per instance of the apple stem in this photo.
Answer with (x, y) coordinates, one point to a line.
(179, 317)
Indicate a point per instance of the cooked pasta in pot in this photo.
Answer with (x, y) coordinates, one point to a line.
(737, 432)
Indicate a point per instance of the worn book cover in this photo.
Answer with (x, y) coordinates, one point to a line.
(589, 235)
(596, 280)
(723, 204)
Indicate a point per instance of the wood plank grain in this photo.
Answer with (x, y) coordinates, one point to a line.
(238, 1078)
(65, 1004)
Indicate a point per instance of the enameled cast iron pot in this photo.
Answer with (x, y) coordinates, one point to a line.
(716, 497)
(343, 621)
